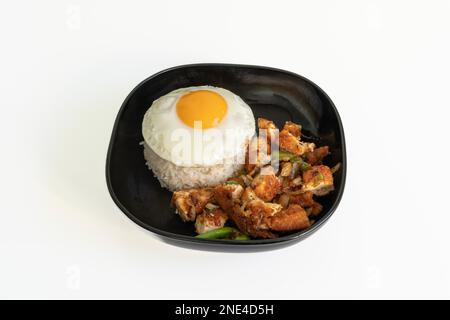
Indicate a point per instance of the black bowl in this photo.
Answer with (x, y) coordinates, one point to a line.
(271, 93)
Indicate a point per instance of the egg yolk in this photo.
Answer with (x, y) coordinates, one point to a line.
(205, 106)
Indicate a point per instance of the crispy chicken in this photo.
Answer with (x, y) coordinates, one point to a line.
(248, 224)
(290, 219)
(266, 186)
(210, 220)
(306, 200)
(293, 128)
(318, 180)
(316, 156)
(190, 203)
(248, 195)
(291, 143)
(267, 128)
(303, 199)
(227, 195)
(258, 154)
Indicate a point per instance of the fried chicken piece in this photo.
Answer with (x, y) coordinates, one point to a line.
(259, 148)
(248, 195)
(316, 156)
(318, 180)
(266, 124)
(269, 126)
(290, 143)
(253, 219)
(266, 186)
(249, 213)
(211, 220)
(291, 219)
(303, 199)
(306, 201)
(229, 199)
(258, 154)
(191, 202)
(247, 224)
(259, 211)
(293, 128)
(316, 209)
(226, 195)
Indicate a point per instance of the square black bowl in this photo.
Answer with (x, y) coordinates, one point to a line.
(271, 93)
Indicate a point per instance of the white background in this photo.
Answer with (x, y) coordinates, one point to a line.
(66, 67)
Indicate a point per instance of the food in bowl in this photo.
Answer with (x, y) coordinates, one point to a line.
(200, 143)
(196, 136)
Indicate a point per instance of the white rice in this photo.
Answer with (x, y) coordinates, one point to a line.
(174, 177)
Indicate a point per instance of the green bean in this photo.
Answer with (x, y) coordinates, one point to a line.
(224, 233)
(217, 233)
(231, 182)
(241, 237)
(280, 154)
(285, 155)
(304, 166)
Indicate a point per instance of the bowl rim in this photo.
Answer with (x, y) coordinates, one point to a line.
(248, 243)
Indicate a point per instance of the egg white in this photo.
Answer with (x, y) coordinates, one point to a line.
(174, 141)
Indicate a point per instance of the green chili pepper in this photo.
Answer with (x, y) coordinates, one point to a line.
(231, 182)
(241, 237)
(304, 166)
(285, 155)
(217, 233)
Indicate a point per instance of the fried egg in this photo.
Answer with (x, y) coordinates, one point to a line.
(198, 126)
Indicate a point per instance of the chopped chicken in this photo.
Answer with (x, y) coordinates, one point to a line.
(266, 124)
(318, 180)
(293, 128)
(246, 223)
(227, 195)
(269, 126)
(303, 199)
(316, 209)
(266, 186)
(316, 156)
(191, 202)
(258, 154)
(290, 219)
(208, 221)
(289, 142)
(253, 219)
(260, 211)
(306, 201)
(248, 195)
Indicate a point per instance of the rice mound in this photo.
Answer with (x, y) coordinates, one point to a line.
(175, 177)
